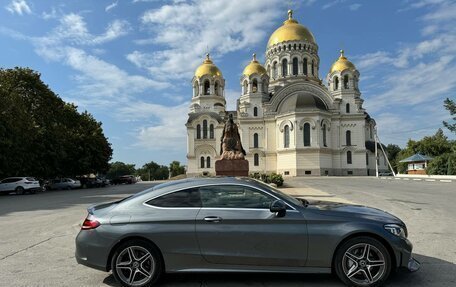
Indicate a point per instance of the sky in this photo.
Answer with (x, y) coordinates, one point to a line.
(130, 62)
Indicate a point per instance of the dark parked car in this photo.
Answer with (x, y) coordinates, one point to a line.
(124, 179)
(90, 182)
(239, 225)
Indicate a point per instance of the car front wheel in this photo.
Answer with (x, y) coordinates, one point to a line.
(362, 261)
(136, 263)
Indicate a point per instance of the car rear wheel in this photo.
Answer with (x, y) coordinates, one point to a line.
(137, 263)
(20, 190)
(362, 261)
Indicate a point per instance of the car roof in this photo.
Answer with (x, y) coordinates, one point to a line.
(194, 182)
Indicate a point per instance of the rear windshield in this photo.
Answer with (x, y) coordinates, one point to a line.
(30, 179)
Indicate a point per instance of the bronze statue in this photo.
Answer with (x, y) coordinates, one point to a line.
(231, 147)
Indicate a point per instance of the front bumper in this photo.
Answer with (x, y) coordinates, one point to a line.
(404, 256)
(413, 265)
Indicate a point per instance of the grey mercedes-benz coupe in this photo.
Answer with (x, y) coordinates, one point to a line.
(239, 225)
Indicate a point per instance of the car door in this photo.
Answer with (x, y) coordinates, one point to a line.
(236, 227)
(171, 225)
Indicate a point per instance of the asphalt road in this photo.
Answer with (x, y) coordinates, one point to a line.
(37, 235)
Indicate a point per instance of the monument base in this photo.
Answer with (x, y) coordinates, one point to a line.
(232, 167)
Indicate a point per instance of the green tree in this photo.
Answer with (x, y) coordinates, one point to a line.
(175, 168)
(43, 136)
(119, 168)
(450, 105)
(437, 146)
(153, 171)
(392, 150)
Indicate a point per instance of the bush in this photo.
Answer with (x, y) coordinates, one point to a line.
(275, 178)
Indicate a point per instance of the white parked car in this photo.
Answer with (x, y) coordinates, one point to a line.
(20, 185)
(64, 183)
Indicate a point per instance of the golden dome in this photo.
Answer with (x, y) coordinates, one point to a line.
(342, 64)
(207, 68)
(254, 68)
(291, 30)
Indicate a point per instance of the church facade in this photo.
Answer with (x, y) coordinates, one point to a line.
(290, 122)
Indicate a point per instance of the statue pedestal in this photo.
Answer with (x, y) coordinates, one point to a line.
(232, 167)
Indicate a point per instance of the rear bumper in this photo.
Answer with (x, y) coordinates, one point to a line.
(91, 250)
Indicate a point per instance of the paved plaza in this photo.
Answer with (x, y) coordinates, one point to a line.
(38, 232)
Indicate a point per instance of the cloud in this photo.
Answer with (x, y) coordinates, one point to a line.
(19, 7)
(410, 83)
(355, 6)
(185, 31)
(111, 6)
(332, 3)
(166, 132)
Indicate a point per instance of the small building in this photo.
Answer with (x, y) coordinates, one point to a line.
(417, 163)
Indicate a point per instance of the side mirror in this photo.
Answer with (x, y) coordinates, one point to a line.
(279, 207)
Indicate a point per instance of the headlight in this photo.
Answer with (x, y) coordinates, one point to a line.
(396, 230)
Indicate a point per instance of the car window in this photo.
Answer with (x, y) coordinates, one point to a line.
(30, 178)
(234, 196)
(9, 180)
(182, 198)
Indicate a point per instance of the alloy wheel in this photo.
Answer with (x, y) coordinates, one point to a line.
(363, 264)
(135, 265)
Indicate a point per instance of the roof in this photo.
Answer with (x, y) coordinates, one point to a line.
(417, 157)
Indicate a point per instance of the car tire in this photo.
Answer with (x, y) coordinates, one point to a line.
(137, 258)
(20, 190)
(362, 262)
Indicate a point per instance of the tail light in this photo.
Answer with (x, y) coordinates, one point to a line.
(90, 223)
(28, 182)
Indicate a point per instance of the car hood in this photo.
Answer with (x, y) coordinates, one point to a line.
(352, 211)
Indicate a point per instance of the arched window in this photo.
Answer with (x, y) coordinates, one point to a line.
(255, 140)
(286, 136)
(256, 160)
(207, 86)
(295, 66)
(313, 68)
(216, 88)
(204, 129)
(274, 70)
(284, 67)
(195, 89)
(245, 86)
(349, 157)
(304, 66)
(202, 162)
(336, 83)
(348, 137)
(306, 134)
(347, 108)
(198, 131)
(211, 131)
(324, 135)
(208, 162)
(255, 112)
(254, 86)
(346, 81)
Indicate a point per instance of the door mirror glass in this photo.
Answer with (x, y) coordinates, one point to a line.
(279, 207)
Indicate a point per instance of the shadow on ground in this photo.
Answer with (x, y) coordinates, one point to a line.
(433, 272)
(62, 199)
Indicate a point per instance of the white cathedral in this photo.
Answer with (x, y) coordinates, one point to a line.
(289, 121)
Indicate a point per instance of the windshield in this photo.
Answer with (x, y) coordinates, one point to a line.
(281, 194)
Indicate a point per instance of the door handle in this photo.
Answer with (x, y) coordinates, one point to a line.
(212, 219)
